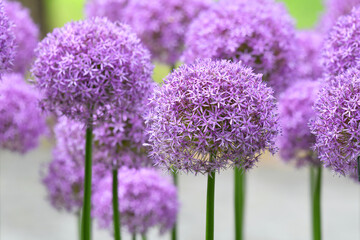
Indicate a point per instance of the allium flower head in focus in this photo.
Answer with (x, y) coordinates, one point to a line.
(211, 107)
(7, 41)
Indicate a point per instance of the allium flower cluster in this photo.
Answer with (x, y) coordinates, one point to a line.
(21, 121)
(211, 107)
(161, 24)
(87, 66)
(259, 33)
(146, 200)
(341, 50)
(337, 123)
(295, 112)
(26, 35)
(7, 41)
(310, 62)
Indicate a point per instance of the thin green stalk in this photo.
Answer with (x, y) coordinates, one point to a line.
(316, 201)
(115, 202)
(210, 203)
(86, 215)
(358, 167)
(239, 202)
(79, 223)
(143, 236)
(133, 236)
(174, 230)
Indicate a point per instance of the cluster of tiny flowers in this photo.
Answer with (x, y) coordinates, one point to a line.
(295, 112)
(335, 9)
(87, 66)
(336, 126)
(209, 115)
(21, 121)
(146, 200)
(7, 41)
(26, 35)
(310, 62)
(341, 50)
(161, 24)
(259, 33)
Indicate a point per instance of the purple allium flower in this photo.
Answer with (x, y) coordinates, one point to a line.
(7, 41)
(310, 43)
(145, 200)
(259, 33)
(211, 107)
(87, 66)
(335, 9)
(26, 35)
(295, 112)
(161, 24)
(341, 50)
(21, 121)
(336, 126)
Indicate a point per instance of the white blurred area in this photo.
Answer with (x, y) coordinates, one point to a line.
(277, 204)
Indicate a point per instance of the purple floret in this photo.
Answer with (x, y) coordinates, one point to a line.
(211, 107)
(336, 126)
(295, 112)
(160, 24)
(26, 35)
(87, 66)
(341, 50)
(261, 34)
(21, 121)
(146, 200)
(7, 41)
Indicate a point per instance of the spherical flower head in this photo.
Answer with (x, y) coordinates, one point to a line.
(21, 120)
(209, 115)
(87, 65)
(310, 44)
(161, 24)
(336, 126)
(341, 51)
(259, 33)
(26, 35)
(146, 200)
(295, 112)
(7, 41)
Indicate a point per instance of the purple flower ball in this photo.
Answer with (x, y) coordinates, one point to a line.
(87, 66)
(146, 200)
(336, 126)
(261, 34)
(341, 50)
(21, 121)
(26, 35)
(7, 41)
(161, 24)
(310, 62)
(295, 112)
(211, 108)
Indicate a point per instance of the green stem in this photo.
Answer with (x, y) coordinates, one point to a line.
(133, 236)
(143, 236)
(210, 202)
(172, 67)
(316, 200)
(79, 223)
(174, 230)
(358, 167)
(115, 202)
(86, 215)
(239, 202)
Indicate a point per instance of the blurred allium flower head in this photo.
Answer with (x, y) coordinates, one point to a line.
(21, 121)
(161, 24)
(310, 65)
(341, 50)
(336, 126)
(146, 200)
(211, 107)
(26, 35)
(7, 41)
(259, 33)
(295, 112)
(335, 9)
(87, 66)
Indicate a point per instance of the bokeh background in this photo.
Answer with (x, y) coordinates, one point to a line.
(277, 203)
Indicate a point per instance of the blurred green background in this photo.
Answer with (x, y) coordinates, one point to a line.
(58, 12)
